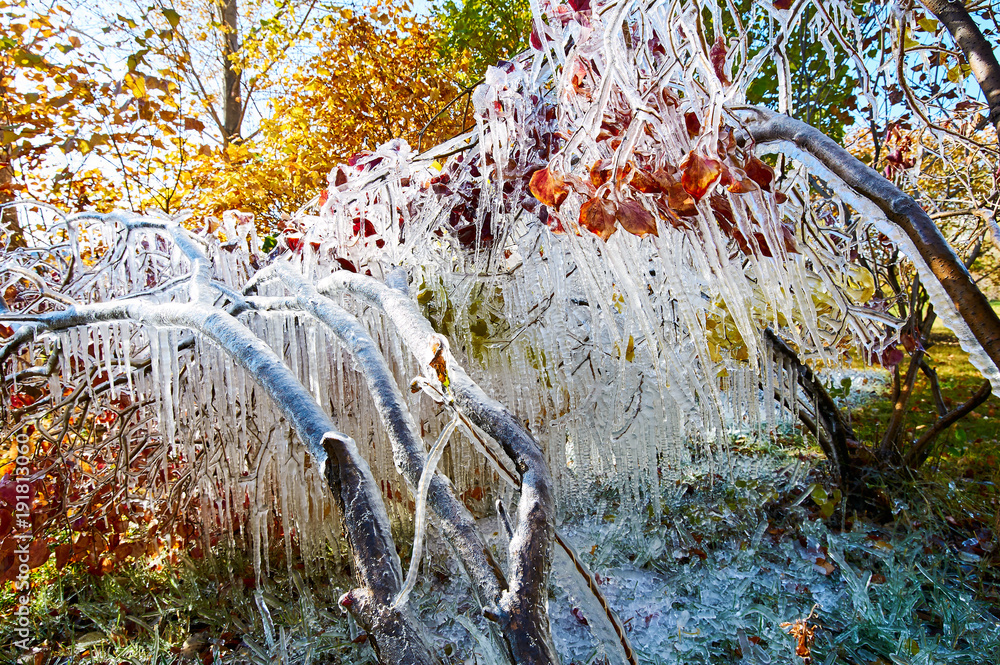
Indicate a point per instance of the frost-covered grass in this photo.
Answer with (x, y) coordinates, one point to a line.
(722, 577)
(730, 570)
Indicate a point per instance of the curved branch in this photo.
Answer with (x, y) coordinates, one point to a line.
(827, 413)
(455, 520)
(902, 211)
(396, 633)
(520, 612)
(916, 455)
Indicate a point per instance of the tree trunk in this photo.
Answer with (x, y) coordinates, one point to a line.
(232, 75)
(11, 233)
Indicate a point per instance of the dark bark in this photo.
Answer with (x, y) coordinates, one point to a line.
(11, 228)
(932, 378)
(918, 452)
(232, 75)
(977, 50)
(828, 415)
(901, 210)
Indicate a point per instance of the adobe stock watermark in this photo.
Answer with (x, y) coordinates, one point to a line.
(22, 527)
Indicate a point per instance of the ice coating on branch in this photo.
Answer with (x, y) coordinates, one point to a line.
(629, 342)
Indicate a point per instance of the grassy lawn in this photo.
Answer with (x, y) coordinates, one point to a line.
(968, 448)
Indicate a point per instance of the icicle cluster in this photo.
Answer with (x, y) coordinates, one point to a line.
(607, 247)
(603, 250)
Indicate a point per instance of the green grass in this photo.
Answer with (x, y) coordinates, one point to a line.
(970, 447)
(207, 610)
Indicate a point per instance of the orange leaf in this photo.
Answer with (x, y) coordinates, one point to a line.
(548, 188)
(698, 174)
(598, 216)
(635, 219)
(599, 172)
(680, 201)
(438, 362)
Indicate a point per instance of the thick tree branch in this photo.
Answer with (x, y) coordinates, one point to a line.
(520, 613)
(827, 412)
(455, 520)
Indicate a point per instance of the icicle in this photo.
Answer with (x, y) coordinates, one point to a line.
(420, 518)
(165, 383)
(104, 334)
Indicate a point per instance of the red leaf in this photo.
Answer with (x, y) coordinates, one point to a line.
(635, 219)
(598, 216)
(548, 188)
(891, 357)
(723, 214)
(38, 553)
(788, 236)
(782, 4)
(646, 182)
(340, 178)
(759, 172)
(762, 248)
(536, 43)
(693, 124)
(63, 554)
(698, 174)
(718, 57)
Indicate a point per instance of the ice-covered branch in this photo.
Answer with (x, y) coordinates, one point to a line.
(520, 612)
(930, 251)
(396, 632)
(455, 521)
